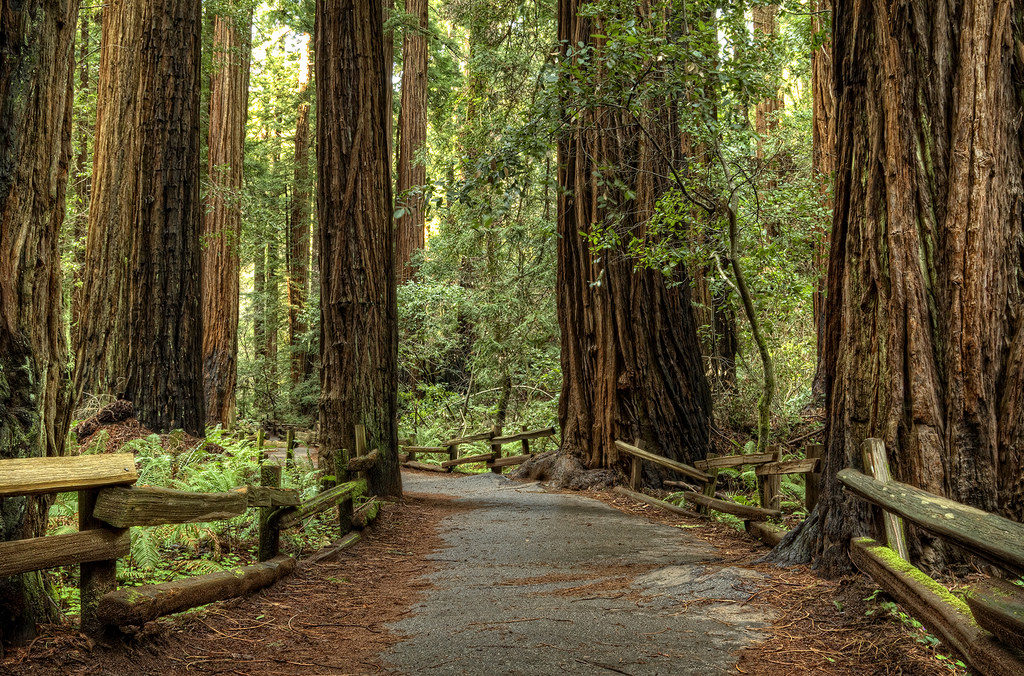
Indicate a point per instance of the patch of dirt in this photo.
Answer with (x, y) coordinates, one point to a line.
(120, 433)
(329, 617)
(821, 626)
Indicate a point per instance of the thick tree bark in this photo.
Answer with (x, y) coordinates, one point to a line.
(358, 314)
(36, 78)
(101, 342)
(165, 380)
(631, 360)
(924, 341)
(298, 237)
(823, 158)
(222, 217)
(412, 139)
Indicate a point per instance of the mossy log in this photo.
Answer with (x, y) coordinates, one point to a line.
(149, 506)
(293, 516)
(746, 512)
(32, 476)
(989, 536)
(138, 605)
(998, 606)
(51, 551)
(668, 463)
(266, 496)
(936, 608)
(655, 502)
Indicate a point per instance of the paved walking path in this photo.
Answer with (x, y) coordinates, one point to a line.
(537, 582)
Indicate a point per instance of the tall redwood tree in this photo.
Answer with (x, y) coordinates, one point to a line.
(36, 66)
(923, 338)
(358, 313)
(164, 362)
(229, 107)
(412, 140)
(631, 361)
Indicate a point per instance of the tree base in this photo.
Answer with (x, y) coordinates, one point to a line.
(564, 471)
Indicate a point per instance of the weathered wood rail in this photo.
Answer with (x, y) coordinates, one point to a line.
(988, 630)
(706, 472)
(110, 505)
(493, 459)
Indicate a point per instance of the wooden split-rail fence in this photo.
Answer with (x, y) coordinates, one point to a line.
(494, 460)
(988, 627)
(768, 469)
(109, 505)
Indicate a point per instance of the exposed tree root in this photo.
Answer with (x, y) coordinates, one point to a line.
(564, 471)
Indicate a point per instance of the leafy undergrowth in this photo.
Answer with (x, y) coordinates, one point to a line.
(165, 553)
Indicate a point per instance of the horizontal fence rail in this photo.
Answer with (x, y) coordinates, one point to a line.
(493, 460)
(109, 506)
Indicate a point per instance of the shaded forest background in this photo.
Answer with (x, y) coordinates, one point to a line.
(479, 336)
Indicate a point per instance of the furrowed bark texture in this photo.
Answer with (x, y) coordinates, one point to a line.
(823, 122)
(924, 341)
(631, 361)
(412, 139)
(358, 315)
(298, 240)
(165, 380)
(36, 72)
(101, 340)
(229, 106)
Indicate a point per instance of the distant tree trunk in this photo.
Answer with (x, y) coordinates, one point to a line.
(36, 77)
(272, 320)
(824, 141)
(358, 314)
(165, 380)
(412, 139)
(767, 110)
(222, 217)
(631, 364)
(101, 340)
(298, 238)
(924, 340)
(83, 129)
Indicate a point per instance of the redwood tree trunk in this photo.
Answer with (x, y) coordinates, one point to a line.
(101, 341)
(165, 380)
(229, 107)
(412, 139)
(924, 345)
(631, 361)
(823, 159)
(358, 314)
(298, 239)
(36, 69)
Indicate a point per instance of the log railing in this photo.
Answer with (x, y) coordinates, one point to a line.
(988, 630)
(767, 466)
(494, 459)
(109, 505)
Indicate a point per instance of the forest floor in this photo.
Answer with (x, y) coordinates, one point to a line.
(479, 575)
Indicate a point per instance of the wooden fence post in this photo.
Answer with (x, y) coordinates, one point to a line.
(768, 486)
(289, 453)
(710, 488)
(412, 442)
(259, 444)
(496, 448)
(635, 469)
(812, 480)
(876, 464)
(526, 443)
(97, 577)
(270, 475)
